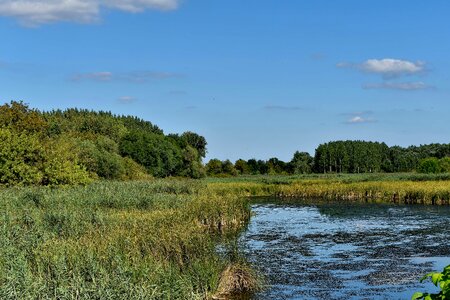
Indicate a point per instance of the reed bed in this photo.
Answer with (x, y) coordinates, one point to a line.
(155, 239)
(434, 192)
(115, 240)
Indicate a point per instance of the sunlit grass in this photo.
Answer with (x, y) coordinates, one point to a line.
(156, 239)
(113, 240)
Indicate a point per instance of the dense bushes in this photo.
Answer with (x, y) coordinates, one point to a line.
(25, 159)
(77, 146)
(434, 165)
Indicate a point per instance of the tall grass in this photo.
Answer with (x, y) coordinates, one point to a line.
(398, 188)
(158, 239)
(114, 240)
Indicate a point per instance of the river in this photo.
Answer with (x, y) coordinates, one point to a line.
(335, 250)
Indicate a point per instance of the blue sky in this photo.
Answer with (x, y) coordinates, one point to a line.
(256, 78)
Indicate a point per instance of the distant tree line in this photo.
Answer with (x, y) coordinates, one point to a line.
(344, 157)
(78, 146)
(75, 146)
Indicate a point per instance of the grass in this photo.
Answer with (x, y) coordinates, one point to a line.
(158, 239)
(399, 188)
(115, 240)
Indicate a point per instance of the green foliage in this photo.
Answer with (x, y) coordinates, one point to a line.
(19, 117)
(155, 152)
(214, 167)
(21, 158)
(370, 157)
(76, 145)
(99, 161)
(195, 141)
(228, 168)
(445, 164)
(61, 166)
(26, 159)
(242, 167)
(429, 165)
(440, 280)
(301, 163)
(218, 168)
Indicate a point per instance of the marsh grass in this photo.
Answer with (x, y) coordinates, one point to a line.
(115, 240)
(397, 188)
(157, 239)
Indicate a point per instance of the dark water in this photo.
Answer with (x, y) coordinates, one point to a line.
(351, 251)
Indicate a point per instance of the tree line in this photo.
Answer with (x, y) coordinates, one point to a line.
(77, 146)
(344, 157)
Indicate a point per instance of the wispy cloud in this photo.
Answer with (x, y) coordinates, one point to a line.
(359, 117)
(359, 120)
(96, 76)
(126, 99)
(387, 67)
(281, 107)
(403, 86)
(135, 76)
(38, 12)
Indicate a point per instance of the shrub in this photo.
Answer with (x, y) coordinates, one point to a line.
(429, 165)
(445, 164)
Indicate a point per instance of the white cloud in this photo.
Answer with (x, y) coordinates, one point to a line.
(387, 67)
(404, 86)
(359, 120)
(37, 12)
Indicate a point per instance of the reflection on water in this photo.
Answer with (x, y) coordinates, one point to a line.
(352, 251)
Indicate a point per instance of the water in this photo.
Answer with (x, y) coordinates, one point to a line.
(346, 251)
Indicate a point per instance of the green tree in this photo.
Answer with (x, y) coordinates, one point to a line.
(429, 165)
(301, 163)
(155, 152)
(242, 167)
(214, 167)
(444, 164)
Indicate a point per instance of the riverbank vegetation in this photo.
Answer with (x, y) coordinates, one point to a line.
(117, 240)
(78, 146)
(397, 188)
(85, 215)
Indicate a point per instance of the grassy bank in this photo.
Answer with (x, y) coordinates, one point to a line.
(156, 239)
(398, 188)
(113, 240)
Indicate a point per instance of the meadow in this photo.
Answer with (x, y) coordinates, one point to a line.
(159, 239)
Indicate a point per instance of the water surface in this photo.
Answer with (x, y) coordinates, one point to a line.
(346, 251)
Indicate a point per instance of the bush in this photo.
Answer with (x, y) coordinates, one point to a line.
(21, 158)
(155, 152)
(429, 165)
(26, 159)
(445, 164)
